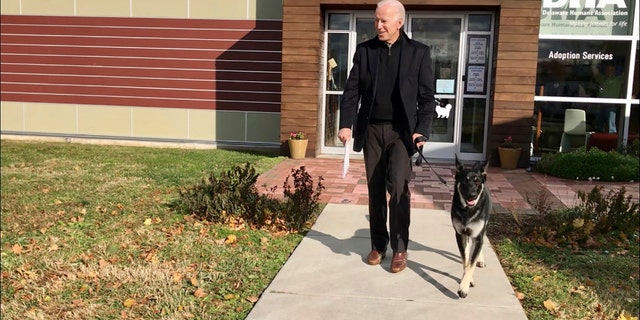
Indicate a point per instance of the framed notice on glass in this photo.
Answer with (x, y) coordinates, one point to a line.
(475, 79)
(477, 50)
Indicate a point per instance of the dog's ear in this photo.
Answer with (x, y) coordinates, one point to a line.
(485, 166)
(459, 166)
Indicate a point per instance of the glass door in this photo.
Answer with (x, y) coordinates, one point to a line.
(443, 35)
(461, 47)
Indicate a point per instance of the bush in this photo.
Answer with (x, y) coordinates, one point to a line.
(594, 164)
(597, 218)
(301, 203)
(233, 198)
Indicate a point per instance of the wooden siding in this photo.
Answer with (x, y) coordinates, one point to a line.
(172, 63)
(515, 61)
(515, 76)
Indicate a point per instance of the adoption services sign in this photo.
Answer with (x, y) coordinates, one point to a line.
(585, 17)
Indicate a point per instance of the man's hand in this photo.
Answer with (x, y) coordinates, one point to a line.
(344, 135)
(421, 143)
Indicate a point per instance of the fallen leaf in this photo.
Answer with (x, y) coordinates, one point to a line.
(194, 281)
(264, 240)
(252, 299)
(626, 316)
(129, 303)
(229, 296)
(578, 223)
(147, 222)
(589, 282)
(520, 295)
(16, 249)
(599, 308)
(537, 278)
(612, 289)
(176, 277)
(231, 239)
(578, 290)
(200, 293)
(77, 302)
(550, 305)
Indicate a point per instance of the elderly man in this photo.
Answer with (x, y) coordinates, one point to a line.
(392, 81)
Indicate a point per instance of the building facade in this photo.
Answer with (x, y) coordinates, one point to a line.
(247, 73)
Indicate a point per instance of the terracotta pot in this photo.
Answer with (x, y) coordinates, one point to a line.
(298, 148)
(509, 157)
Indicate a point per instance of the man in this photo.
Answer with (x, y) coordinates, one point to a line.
(610, 86)
(392, 80)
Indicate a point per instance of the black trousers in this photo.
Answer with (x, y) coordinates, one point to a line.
(388, 168)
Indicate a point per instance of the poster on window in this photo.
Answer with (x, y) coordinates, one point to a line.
(477, 50)
(475, 79)
(601, 17)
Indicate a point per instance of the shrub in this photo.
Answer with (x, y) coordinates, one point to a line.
(594, 164)
(597, 218)
(233, 198)
(301, 203)
(216, 199)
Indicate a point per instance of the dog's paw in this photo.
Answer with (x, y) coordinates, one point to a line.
(481, 264)
(462, 293)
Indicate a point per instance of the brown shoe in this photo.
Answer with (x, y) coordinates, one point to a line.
(398, 262)
(375, 257)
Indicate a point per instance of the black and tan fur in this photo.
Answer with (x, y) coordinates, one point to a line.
(470, 210)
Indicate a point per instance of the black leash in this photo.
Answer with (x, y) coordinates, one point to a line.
(421, 158)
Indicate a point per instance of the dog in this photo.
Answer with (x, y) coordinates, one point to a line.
(470, 208)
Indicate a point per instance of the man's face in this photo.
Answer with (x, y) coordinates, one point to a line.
(610, 71)
(388, 23)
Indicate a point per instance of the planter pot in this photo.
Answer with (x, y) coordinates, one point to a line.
(509, 157)
(298, 148)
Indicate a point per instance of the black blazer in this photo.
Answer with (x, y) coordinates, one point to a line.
(415, 81)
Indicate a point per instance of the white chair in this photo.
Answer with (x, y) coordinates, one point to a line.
(575, 126)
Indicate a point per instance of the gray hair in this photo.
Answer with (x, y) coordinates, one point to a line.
(396, 5)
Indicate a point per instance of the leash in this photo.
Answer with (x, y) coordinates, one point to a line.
(421, 158)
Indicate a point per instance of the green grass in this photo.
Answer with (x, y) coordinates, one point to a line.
(597, 283)
(87, 233)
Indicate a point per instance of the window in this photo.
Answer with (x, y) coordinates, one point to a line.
(585, 56)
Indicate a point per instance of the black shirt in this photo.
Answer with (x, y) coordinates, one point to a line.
(387, 104)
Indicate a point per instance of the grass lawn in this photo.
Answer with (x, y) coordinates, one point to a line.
(87, 233)
(555, 282)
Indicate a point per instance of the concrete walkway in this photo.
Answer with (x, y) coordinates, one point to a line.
(327, 277)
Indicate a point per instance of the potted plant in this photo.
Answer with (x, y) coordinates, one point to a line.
(298, 144)
(509, 154)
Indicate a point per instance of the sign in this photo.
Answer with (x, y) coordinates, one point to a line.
(477, 50)
(445, 86)
(475, 79)
(591, 17)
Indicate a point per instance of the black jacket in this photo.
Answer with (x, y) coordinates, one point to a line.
(415, 82)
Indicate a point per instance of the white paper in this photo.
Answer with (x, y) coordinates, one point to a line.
(345, 164)
(475, 79)
(445, 85)
(477, 50)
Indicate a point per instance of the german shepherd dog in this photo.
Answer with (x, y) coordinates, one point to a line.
(470, 210)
